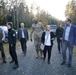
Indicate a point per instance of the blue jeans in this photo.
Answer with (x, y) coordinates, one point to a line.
(65, 45)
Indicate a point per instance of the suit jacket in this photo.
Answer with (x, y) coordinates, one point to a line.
(72, 35)
(43, 37)
(20, 33)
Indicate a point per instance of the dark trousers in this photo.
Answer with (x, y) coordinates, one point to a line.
(59, 44)
(12, 51)
(2, 51)
(49, 49)
(23, 44)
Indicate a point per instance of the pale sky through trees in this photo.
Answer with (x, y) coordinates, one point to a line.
(55, 7)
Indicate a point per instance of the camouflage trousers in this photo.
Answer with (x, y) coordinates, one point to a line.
(37, 42)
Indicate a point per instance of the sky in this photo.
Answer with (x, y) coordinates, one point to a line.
(55, 7)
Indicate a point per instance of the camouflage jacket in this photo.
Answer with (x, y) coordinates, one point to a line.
(37, 29)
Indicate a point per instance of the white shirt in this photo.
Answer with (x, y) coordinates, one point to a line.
(47, 39)
(23, 36)
(67, 32)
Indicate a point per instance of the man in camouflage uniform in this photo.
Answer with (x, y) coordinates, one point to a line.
(37, 28)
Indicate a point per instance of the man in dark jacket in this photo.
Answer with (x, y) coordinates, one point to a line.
(12, 44)
(59, 34)
(2, 37)
(23, 37)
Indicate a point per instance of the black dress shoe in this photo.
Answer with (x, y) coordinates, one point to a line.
(16, 66)
(24, 53)
(63, 63)
(59, 52)
(48, 62)
(37, 57)
(4, 61)
(43, 59)
(69, 65)
(11, 61)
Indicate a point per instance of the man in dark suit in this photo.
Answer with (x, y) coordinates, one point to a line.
(23, 37)
(59, 35)
(12, 44)
(69, 41)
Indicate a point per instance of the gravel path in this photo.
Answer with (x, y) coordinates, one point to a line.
(29, 65)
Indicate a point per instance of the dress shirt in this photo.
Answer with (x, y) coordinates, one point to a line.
(23, 36)
(47, 39)
(67, 32)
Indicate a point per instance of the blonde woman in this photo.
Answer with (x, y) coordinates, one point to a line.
(47, 40)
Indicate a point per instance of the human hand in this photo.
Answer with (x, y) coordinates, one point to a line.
(52, 39)
(60, 38)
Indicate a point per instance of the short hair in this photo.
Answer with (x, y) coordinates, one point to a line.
(22, 24)
(59, 23)
(10, 24)
(69, 20)
(35, 19)
(47, 25)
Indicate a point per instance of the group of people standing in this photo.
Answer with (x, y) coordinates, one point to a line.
(66, 38)
(22, 36)
(12, 45)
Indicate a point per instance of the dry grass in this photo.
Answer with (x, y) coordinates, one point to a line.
(6, 48)
(75, 51)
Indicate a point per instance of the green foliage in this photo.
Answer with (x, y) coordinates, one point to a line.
(22, 13)
(2, 11)
(44, 21)
(46, 18)
(71, 11)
